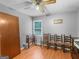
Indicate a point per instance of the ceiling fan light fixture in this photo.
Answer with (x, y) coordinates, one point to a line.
(36, 2)
(40, 8)
(40, 4)
(37, 7)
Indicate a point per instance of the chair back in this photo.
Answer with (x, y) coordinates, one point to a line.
(45, 37)
(27, 38)
(59, 38)
(33, 38)
(67, 38)
(52, 38)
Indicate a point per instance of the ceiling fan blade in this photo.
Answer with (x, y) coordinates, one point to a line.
(28, 7)
(27, 3)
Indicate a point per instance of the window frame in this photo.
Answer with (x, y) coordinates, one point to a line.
(33, 29)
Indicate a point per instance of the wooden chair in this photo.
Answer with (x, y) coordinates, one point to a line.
(59, 41)
(68, 43)
(52, 42)
(28, 40)
(45, 39)
(33, 39)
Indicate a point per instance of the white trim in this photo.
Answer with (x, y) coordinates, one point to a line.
(41, 27)
(22, 48)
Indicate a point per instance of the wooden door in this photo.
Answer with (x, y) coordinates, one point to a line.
(9, 30)
(0, 44)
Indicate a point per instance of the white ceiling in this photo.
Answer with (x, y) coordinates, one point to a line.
(59, 6)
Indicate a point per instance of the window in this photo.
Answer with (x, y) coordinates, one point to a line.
(37, 27)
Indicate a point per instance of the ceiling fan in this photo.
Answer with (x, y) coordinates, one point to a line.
(39, 4)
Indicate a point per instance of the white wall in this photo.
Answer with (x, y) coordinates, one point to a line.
(69, 25)
(25, 23)
(25, 28)
(78, 23)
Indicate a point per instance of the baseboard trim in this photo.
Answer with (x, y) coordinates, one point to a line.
(22, 48)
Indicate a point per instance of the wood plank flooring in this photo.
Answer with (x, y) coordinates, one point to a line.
(37, 52)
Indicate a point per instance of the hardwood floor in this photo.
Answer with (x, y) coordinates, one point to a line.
(37, 52)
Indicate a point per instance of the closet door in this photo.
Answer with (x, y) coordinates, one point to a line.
(9, 31)
(0, 43)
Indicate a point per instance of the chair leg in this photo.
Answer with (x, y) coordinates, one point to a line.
(28, 45)
(55, 46)
(71, 48)
(63, 47)
(48, 45)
